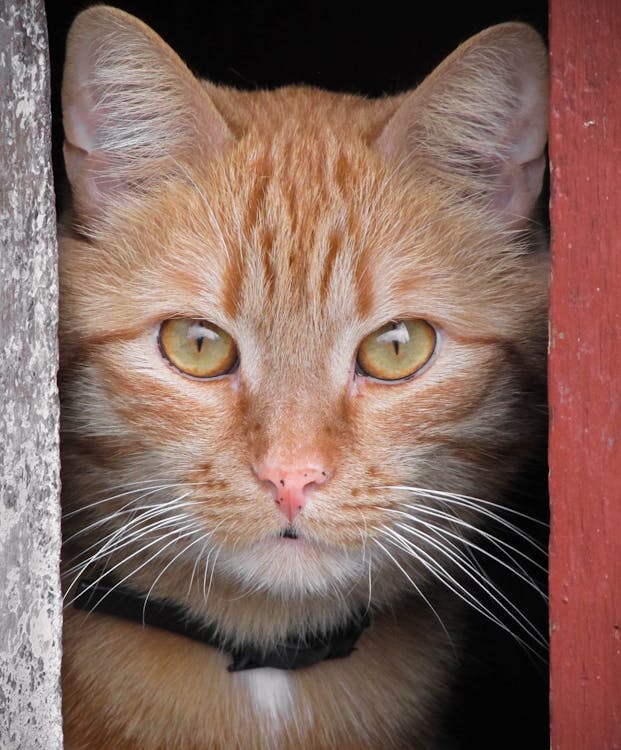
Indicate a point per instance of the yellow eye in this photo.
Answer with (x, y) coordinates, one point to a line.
(396, 350)
(197, 347)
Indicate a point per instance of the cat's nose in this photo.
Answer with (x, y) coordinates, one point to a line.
(290, 483)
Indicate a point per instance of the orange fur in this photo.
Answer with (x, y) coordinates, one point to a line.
(299, 221)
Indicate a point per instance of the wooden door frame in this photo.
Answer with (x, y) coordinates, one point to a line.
(585, 370)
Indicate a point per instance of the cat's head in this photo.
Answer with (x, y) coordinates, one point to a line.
(298, 328)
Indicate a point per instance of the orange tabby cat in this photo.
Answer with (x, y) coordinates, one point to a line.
(301, 332)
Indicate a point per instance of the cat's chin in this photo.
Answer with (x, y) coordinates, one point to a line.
(292, 566)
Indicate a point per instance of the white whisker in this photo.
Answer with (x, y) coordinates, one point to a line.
(439, 572)
(470, 501)
(496, 541)
(178, 537)
(213, 569)
(126, 559)
(451, 551)
(110, 540)
(417, 588)
(127, 509)
(501, 545)
(171, 562)
(472, 572)
(147, 490)
(196, 564)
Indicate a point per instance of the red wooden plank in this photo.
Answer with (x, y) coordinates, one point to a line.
(585, 375)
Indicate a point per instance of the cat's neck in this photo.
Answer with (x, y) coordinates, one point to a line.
(240, 615)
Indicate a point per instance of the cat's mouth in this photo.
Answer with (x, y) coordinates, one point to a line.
(288, 533)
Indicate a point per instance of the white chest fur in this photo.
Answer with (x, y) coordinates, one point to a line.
(271, 692)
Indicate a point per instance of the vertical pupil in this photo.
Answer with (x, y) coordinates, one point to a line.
(199, 343)
(395, 342)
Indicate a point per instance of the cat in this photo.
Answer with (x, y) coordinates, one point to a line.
(303, 342)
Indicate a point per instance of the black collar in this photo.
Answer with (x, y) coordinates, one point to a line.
(293, 653)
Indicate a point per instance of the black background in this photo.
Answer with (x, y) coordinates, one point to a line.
(374, 49)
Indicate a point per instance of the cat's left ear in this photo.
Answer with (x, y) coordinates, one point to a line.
(131, 110)
(478, 123)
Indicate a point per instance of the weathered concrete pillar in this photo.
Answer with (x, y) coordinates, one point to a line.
(30, 607)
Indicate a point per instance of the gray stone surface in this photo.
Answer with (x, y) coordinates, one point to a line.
(30, 606)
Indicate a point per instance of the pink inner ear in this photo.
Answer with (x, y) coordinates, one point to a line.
(86, 168)
(79, 118)
(518, 189)
(533, 173)
(80, 125)
(529, 123)
(90, 176)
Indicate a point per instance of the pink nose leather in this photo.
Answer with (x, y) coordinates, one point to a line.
(290, 483)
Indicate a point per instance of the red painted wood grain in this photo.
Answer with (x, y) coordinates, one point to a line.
(585, 374)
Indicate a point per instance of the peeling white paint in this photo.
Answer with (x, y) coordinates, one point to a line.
(30, 607)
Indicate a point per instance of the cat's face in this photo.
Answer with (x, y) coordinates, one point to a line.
(282, 337)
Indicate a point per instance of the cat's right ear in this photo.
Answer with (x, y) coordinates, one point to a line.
(478, 123)
(131, 109)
